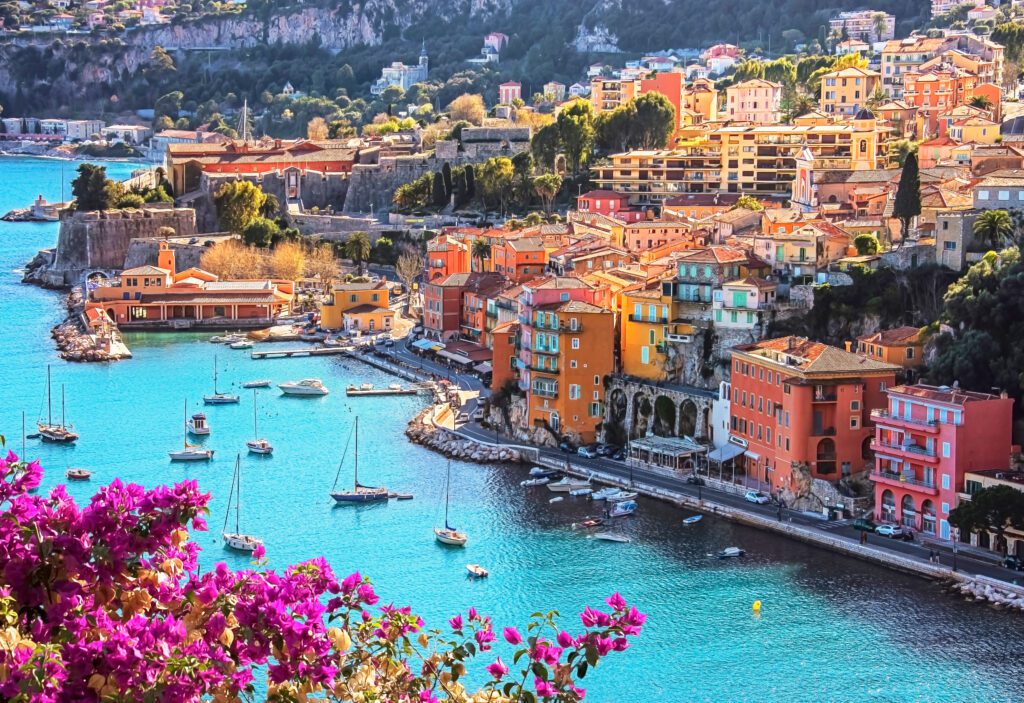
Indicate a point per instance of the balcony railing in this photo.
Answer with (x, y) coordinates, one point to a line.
(649, 320)
(889, 477)
(824, 432)
(545, 392)
(825, 397)
(886, 417)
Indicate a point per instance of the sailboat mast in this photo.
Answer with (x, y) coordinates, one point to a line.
(238, 495)
(63, 420)
(355, 488)
(49, 399)
(184, 434)
(215, 374)
(231, 494)
(255, 430)
(447, 488)
(23, 435)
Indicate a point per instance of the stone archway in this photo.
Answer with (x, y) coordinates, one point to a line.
(664, 416)
(688, 419)
(643, 408)
(615, 424)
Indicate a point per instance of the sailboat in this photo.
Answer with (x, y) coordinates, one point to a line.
(48, 431)
(237, 540)
(448, 534)
(359, 493)
(258, 445)
(218, 398)
(190, 452)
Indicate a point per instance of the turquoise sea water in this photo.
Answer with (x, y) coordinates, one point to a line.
(832, 629)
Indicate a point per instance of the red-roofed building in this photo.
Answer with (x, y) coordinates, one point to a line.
(926, 438)
(610, 204)
(448, 253)
(519, 260)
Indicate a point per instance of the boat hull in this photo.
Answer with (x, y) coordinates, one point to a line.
(198, 431)
(191, 456)
(57, 436)
(240, 543)
(256, 384)
(260, 447)
(220, 399)
(358, 498)
(453, 538)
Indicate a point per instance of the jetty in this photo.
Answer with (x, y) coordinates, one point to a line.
(302, 351)
(411, 390)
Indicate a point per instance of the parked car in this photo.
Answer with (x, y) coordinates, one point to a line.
(389, 342)
(757, 497)
(589, 452)
(478, 414)
(695, 480)
(1013, 562)
(605, 450)
(461, 418)
(565, 447)
(865, 524)
(889, 530)
(620, 455)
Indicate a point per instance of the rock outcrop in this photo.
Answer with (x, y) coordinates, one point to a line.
(422, 431)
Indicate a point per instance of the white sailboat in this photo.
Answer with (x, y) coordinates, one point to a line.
(448, 534)
(190, 452)
(257, 445)
(48, 431)
(237, 540)
(218, 398)
(359, 492)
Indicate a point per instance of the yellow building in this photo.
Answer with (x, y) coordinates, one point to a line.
(975, 130)
(642, 327)
(362, 307)
(609, 93)
(847, 90)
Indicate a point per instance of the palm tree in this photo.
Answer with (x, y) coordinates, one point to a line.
(878, 23)
(993, 228)
(357, 248)
(481, 250)
(981, 102)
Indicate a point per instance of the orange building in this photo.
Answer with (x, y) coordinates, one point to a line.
(640, 236)
(519, 259)
(936, 91)
(363, 307)
(847, 90)
(448, 253)
(670, 84)
(903, 346)
(571, 353)
(796, 402)
(156, 297)
(504, 368)
(475, 324)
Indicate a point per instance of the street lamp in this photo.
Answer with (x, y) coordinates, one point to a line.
(956, 538)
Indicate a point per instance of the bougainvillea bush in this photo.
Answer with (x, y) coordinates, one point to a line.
(105, 603)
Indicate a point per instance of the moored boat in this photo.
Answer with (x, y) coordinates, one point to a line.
(604, 493)
(237, 540)
(692, 519)
(534, 482)
(621, 496)
(49, 431)
(305, 387)
(197, 425)
(581, 492)
(730, 553)
(257, 445)
(218, 398)
(78, 474)
(359, 493)
(190, 452)
(568, 483)
(611, 537)
(477, 571)
(622, 509)
(448, 534)
(242, 344)
(263, 383)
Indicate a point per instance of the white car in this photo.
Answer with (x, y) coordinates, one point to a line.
(757, 497)
(889, 530)
(588, 452)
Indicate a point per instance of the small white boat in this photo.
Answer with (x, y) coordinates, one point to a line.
(218, 398)
(692, 519)
(540, 471)
(568, 483)
(366, 387)
(307, 387)
(264, 383)
(622, 509)
(332, 342)
(260, 446)
(730, 553)
(448, 534)
(534, 482)
(395, 386)
(78, 474)
(604, 493)
(237, 540)
(621, 496)
(558, 499)
(611, 537)
(477, 571)
(581, 492)
(242, 344)
(224, 338)
(197, 425)
(190, 452)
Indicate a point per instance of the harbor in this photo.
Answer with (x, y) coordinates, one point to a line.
(816, 603)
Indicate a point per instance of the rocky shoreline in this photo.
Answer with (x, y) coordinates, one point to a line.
(75, 343)
(997, 597)
(421, 430)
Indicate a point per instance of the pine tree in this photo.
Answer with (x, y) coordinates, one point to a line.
(470, 182)
(437, 195)
(908, 196)
(446, 174)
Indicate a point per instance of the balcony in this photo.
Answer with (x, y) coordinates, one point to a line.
(825, 396)
(543, 392)
(906, 451)
(903, 481)
(679, 338)
(824, 432)
(649, 320)
(884, 417)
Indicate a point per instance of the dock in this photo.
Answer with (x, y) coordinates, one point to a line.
(382, 391)
(302, 351)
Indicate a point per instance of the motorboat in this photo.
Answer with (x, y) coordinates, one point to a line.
(395, 386)
(226, 338)
(621, 496)
(307, 387)
(566, 484)
(611, 537)
(581, 492)
(730, 553)
(448, 534)
(359, 493)
(332, 342)
(540, 471)
(197, 425)
(237, 540)
(589, 522)
(257, 445)
(692, 519)
(604, 493)
(263, 383)
(534, 482)
(622, 509)
(218, 398)
(242, 344)
(366, 387)
(557, 499)
(78, 474)
(476, 571)
(190, 452)
(50, 431)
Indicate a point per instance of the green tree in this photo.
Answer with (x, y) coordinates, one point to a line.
(545, 145)
(261, 232)
(437, 194)
(982, 102)
(655, 121)
(238, 204)
(460, 190)
(866, 244)
(90, 188)
(613, 129)
(496, 176)
(546, 186)
(470, 172)
(446, 175)
(748, 202)
(993, 228)
(533, 219)
(900, 150)
(480, 251)
(576, 134)
(908, 196)
(357, 248)
(992, 509)
(522, 181)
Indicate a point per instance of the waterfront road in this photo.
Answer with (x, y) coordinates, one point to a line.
(967, 560)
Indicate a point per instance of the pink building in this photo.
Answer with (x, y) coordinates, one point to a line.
(507, 92)
(926, 439)
(496, 40)
(610, 204)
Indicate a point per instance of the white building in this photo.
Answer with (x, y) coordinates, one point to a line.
(401, 75)
(864, 24)
(130, 134)
(743, 304)
(81, 130)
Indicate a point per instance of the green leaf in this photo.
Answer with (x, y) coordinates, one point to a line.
(540, 671)
(581, 670)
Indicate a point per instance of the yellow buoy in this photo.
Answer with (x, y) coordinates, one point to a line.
(757, 606)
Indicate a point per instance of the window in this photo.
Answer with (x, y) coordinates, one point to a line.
(945, 482)
(597, 395)
(645, 355)
(1003, 195)
(574, 391)
(910, 352)
(951, 246)
(854, 422)
(854, 405)
(594, 410)
(575, 342)
(982, 195)
(945, 508)
(768, 434)
(572, 363)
